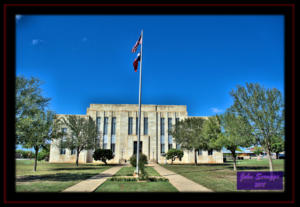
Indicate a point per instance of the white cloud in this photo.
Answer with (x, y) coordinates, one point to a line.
(18, 17)
(36, 41)
(216, 110)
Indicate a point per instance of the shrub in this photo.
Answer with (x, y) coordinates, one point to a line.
(24, 154)
(142, 161)
(173, 154)
(43, 155)
(103, 155)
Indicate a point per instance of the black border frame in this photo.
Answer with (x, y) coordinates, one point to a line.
(10, 196)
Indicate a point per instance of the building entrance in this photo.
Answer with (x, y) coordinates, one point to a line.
(135, 147)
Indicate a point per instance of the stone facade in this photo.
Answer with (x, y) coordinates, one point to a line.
(117, 124)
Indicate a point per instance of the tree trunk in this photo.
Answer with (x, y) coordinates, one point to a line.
(277, 155)
(196, 157)
(77, 156)
(234, 163)
(36, 155)
(270, 160)
(234, 160)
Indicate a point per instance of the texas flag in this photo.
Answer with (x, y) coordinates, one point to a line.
(136, 62)
(133, 50)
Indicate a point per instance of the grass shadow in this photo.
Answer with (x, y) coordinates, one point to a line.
(58, 177)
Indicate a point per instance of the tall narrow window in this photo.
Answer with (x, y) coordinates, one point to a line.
(210, 152)
(199, 152)
(113, 126)
(105, 132)
(136, 125)
(145, 126)
(113, 134)
(98, 119)
(73, 151)
(170, 138)
(177, 144)
(63, 150)
(162, 135)
(129, 125)
(162, 126)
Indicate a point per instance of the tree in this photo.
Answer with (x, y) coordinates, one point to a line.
(44, 153)
(173, 154)
(188, 134)
(36, 131)
(263, 109)
(277, 146)
(257, 150)
(103, 155)
(234, 134)
(33, 122)
(211, 132)
(82, 134)
(29, 100)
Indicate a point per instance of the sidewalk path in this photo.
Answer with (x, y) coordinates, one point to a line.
(92, 183)
(178, 181)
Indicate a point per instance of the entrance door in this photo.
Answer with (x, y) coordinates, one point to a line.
(135, 147)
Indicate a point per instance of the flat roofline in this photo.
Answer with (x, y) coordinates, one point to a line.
(141, 104)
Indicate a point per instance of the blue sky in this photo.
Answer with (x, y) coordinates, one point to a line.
(193, 60)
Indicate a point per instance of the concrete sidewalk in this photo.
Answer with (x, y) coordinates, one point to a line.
(92, 183)
(178, 181)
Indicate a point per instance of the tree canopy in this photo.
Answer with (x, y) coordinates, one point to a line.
(263, 110)
(188, 133)
(33, 122)
(82, 135)
(234, 134)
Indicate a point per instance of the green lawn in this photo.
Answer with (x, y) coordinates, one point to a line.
(221, 177)
(128, 171)
(135, 186)
(52, 177)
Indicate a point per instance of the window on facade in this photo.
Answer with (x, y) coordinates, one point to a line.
(112, 147)
(98, 119)
(129, 125)
(105, 141)
(177, 146)
(162, 143)
(97, 141)
(113, 127)
(105, 125)
(162, 126)
(162, 148)
(104, 145)
(63, 150)
(145, 126)
(73, 151)
(136, 125)
(170, 141)
(170, 138)
(177, 120)
(169, 124)
(210, 152)
(199, 152)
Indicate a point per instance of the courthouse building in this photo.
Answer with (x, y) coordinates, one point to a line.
(117, 128)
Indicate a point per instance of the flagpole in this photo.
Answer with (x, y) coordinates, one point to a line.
(139, 121)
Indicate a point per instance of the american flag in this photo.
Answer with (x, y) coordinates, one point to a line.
(133, 50)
